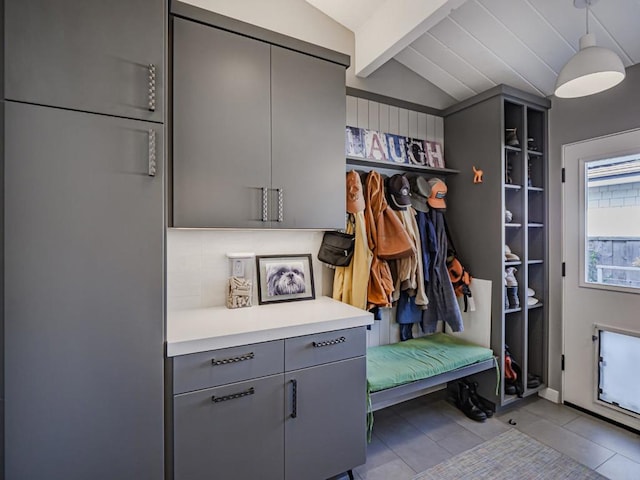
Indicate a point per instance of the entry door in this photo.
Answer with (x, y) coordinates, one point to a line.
(601, 231)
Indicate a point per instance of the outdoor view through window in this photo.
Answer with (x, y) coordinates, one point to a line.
(613, 222)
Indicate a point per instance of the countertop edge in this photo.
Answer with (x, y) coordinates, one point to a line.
(349, 318)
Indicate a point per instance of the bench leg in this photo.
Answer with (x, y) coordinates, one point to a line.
(350, 472)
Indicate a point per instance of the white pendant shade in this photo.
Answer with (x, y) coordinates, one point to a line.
(593, 69)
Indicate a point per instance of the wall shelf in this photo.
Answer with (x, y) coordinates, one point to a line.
(404, 167)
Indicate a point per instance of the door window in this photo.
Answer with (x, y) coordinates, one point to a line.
(612, 191)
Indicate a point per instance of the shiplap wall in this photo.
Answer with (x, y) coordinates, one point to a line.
(385, 118)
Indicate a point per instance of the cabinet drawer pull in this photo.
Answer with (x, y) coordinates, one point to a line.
(280, 205)
(224, 361)
(152, 87)
(329, 342)
(152, 154)
(233, 396)
(294, 400)
(265, 204)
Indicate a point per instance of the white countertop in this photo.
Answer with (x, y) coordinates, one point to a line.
(202, 329)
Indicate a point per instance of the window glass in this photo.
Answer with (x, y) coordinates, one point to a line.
(612, 254)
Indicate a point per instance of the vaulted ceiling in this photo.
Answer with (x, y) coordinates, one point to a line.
(465, 47)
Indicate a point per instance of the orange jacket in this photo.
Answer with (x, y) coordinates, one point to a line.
(380, 282)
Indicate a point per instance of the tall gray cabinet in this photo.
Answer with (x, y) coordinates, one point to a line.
(503, 132)
(83, 231)
(258, 126)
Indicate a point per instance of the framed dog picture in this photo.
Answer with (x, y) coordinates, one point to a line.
(284, 278)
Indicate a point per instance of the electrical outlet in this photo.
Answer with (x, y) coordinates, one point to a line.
(238, 268)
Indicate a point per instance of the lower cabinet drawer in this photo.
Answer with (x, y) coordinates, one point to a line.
(319, 348)
(234, 431)
(228, 365)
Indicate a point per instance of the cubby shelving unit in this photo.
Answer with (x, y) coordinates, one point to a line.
(515, 179)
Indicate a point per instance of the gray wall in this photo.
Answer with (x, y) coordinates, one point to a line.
(572, 120)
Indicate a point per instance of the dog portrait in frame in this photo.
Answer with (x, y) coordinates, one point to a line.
(284, 278)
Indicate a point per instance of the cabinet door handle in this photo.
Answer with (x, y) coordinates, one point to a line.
(326, 343)
(152, 87)
(233, 396)
(239, 358)
(294, 398)
(152, 153)
(265, 204)
(280, 204)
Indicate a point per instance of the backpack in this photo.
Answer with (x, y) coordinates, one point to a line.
(458, 274)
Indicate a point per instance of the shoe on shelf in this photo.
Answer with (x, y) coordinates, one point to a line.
(511, 137)
(508, 216)
(509, 256)
(530, 292)
(512, 297)
(532, 301)
(464, 403)
(510, 276)
(533, 381)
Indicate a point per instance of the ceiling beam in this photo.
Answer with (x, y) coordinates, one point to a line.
(394, 26)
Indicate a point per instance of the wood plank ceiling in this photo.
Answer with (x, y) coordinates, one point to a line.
(521, 43)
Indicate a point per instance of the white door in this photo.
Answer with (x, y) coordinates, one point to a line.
(601, 218)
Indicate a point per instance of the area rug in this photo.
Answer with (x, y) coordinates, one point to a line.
(510, 456)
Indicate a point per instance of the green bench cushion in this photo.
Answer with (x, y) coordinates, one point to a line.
(405, 362)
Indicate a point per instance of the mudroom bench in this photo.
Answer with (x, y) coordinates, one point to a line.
(403, 370)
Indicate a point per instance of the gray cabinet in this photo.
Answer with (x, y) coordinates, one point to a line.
(231, 431)
(308, 118)
(221, 127)
(83, 279)
(258, 133)
(93, 56)
(302, 416)
(504, 132)
(327, 436)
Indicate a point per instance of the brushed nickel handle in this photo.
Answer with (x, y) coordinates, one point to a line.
(152, 153)
(265, 203)
(239, 358)
(280, 204)
(152, 87)
(233, 396)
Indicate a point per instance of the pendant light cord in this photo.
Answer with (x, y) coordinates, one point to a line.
(588, 5)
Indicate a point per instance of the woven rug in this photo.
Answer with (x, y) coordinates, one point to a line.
(510, 456)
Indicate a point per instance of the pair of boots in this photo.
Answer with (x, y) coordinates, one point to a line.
(473, 405)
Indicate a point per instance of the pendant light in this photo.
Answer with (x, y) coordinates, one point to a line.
(593, 69)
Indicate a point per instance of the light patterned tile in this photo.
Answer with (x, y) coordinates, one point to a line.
(396, 470)
(609, 436)
(553, 412)
(460, 441)
(619, 467)
(520, 418)
(580, 449)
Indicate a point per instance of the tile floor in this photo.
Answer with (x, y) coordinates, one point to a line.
(410, 437)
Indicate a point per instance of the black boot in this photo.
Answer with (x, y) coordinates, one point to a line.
(467, 406)
(485, 405)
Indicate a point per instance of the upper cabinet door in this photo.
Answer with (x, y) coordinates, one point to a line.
(221, 128)
(308, 115)
(90, 55)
